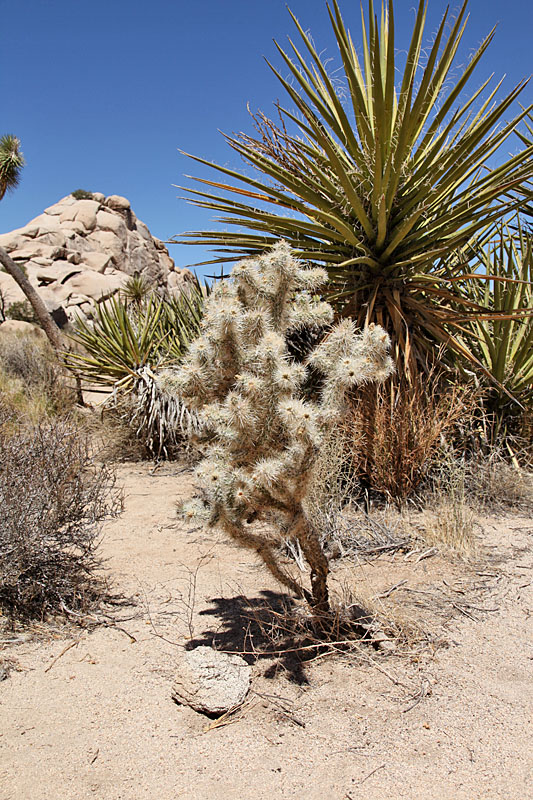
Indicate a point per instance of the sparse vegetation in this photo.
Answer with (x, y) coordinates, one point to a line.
(21, 310)
(35, 386)
(53, 498)
(81, 194)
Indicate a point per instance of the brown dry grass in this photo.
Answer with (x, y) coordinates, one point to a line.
(395, 432)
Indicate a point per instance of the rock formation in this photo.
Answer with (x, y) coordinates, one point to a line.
(80, 252)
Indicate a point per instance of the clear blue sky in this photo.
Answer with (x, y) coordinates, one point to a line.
(102, 94)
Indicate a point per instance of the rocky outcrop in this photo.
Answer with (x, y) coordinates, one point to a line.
(81, 252)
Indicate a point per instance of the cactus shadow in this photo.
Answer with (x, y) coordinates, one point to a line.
(263, 628)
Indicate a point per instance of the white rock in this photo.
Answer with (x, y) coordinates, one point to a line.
(41, 261)
(166, 262)
(82, 210)
(93, 284)
(209, 681)
(108, 242)
(180, 281)
(10, 241)
(118, 203)
(143, 230)
(21, 328)
(30, 250)
(59, 271)
(11, 291)
(100, 236)
(112, 222)
(55, 295)
(77, 300)
(74, 225)
(97, 261)
(45, 222)
(86, 213)
(57, 237)
(59, 207)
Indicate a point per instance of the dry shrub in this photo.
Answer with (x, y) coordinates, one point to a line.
(346, 528)
(396, 431)
(53, 498)
(496, 483)
(113, 438)
(32, 380)
(449, 523)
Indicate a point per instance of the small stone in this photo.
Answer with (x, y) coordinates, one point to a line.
(209, 681)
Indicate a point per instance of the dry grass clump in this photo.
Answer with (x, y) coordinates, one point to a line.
(448, 520)
(449, 525)
(396, 431)
(53, 498)
(347, 528)
(495, 483)
(32, 381)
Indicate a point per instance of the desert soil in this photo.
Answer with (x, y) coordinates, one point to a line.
(88, 713)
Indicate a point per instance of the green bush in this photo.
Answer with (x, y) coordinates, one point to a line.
(21, 310)
(81, 194)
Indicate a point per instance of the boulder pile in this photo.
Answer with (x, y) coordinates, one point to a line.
(79, 252)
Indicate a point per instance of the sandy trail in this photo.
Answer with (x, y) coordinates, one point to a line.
(99, 721)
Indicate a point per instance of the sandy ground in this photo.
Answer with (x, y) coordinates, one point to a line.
(89, 714)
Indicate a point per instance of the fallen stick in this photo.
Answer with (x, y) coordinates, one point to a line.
(62, 653)
(381, 766)
(391, 590)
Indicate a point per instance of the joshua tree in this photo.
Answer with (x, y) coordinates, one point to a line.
(261, 438)
(11, 163)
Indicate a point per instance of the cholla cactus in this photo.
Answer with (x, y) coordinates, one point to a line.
(262, 438)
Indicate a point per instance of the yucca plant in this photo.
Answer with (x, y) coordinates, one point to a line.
(382, 187)
(505, 345)
(122, 349)
(136, 289)
(127, 336)
(120, 341)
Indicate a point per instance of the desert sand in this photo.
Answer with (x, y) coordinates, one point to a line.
(87, 712)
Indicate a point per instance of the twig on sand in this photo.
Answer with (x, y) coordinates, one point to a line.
(281, 708)
(422, 692)
(381, 766)
(391, 590)
(392, 678)
(432, 551)
(62, 653)
(123, 630)
(223, 720)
